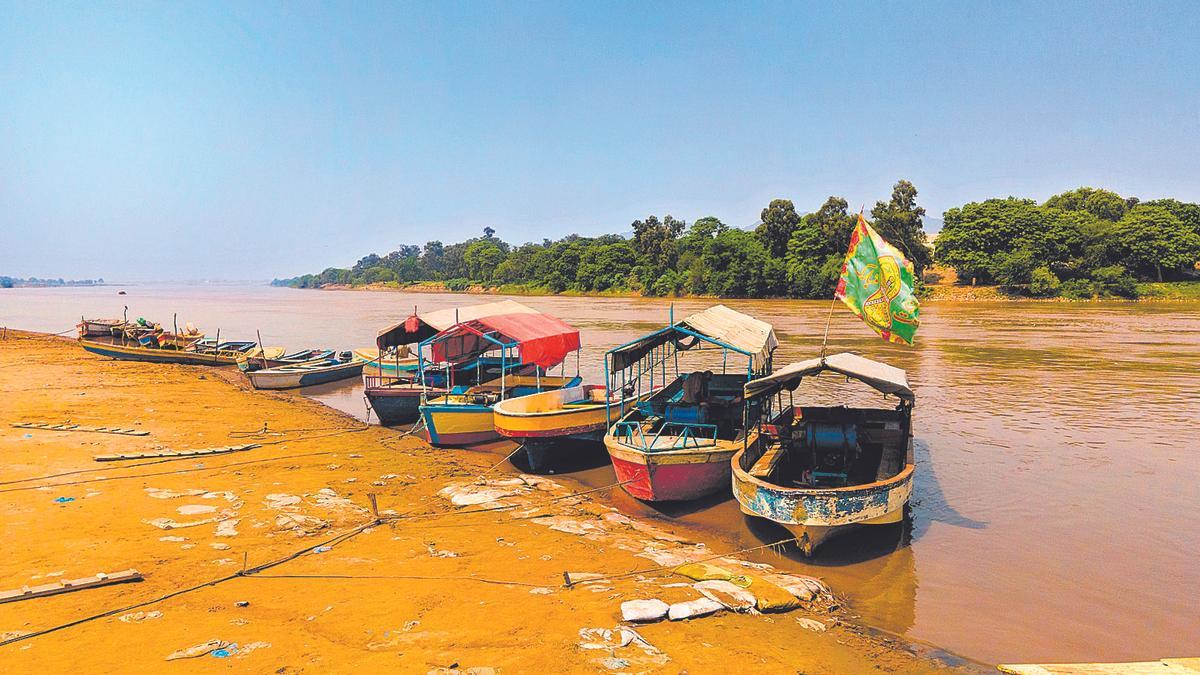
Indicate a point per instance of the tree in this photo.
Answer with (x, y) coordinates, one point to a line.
(899, 222)
(779, 219)
(655, 245)
(1104, 204)
(488, 232)
(605, 266)
(431, 260)
(482, 257)
(1188, 214)
(1153, 240)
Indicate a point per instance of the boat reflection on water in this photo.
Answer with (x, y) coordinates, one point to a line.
(876, 569)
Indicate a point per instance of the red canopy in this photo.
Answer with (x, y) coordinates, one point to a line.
(541, 339)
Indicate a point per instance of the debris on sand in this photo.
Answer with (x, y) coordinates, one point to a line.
(226, 528)
(171, 524)
(138, 617)
(197, 650)
(811, 624)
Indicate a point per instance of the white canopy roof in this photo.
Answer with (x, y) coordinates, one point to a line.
(884, 378)
(718, 324)
(427, 324)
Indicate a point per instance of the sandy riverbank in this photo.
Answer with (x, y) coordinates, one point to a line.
(435, 585)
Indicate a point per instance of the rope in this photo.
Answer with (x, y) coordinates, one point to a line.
(412, 577)
(332, 541)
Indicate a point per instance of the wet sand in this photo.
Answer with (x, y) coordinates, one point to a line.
(433, 586)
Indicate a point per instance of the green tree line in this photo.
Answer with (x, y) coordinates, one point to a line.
(1081, 243)
(1084, 243)
(788, 254)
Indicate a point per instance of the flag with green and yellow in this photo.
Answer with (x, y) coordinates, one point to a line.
(877, 285)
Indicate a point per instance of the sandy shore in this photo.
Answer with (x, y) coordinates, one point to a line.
(477, 584)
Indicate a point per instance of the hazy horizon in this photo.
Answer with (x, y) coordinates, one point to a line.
(226, 140)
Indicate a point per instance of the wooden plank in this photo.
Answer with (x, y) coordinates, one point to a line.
(766, 464)
(66, 586)
(46, 426)
(175, 453)
(1187, 666)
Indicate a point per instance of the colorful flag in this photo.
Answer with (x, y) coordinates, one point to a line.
(877, 285)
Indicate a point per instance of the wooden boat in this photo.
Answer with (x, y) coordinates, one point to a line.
(1180, 666)
(393, 379)
(397, 399)
(821, 471)
(532, 341)
(274, 357)
(133, 352)
(389, 364)
(99, 327)
(342, 367)
(542, 421)
(675, 443)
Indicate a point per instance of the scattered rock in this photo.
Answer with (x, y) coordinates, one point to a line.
(693, 608)
(172, 537)
(728, 594)
(540, 591)
(219, 546)
(644, 610)
(242, 603)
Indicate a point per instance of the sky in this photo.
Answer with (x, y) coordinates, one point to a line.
(252, 140)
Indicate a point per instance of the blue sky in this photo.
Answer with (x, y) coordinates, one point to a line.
(253, 140)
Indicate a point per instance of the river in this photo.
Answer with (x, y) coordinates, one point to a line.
(1056, 512)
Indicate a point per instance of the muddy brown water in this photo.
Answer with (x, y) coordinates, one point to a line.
(1056, 512)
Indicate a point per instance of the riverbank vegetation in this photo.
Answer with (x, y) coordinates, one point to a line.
(34, 282)
(1080, 244)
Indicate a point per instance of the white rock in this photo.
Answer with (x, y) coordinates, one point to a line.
(811, 624)
(194, 509)
(728, 594)
(693, 608)
(644, 610)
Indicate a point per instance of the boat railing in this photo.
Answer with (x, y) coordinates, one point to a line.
(682, 434)
(374, 381)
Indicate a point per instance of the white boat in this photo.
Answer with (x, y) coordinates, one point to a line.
(344, 366)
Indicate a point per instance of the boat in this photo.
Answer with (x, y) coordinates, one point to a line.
(389, 363)
(135, 352)
(274, 357)
(394, 385)
(343, 366)
(528, 344)
(542, 422)
(822, 471)
(675, 444)
(99, 327)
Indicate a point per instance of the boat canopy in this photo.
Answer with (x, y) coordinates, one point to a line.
(717, 325)
(422, 326)
(539, 338)
(884, 378)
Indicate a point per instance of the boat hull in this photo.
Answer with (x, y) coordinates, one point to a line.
(815, 515)
(457, 425)
(397, 405)
(128, 353)
(549, 416)
(671, 475)
(292, 378)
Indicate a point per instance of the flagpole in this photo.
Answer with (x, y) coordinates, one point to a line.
(828, 318)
